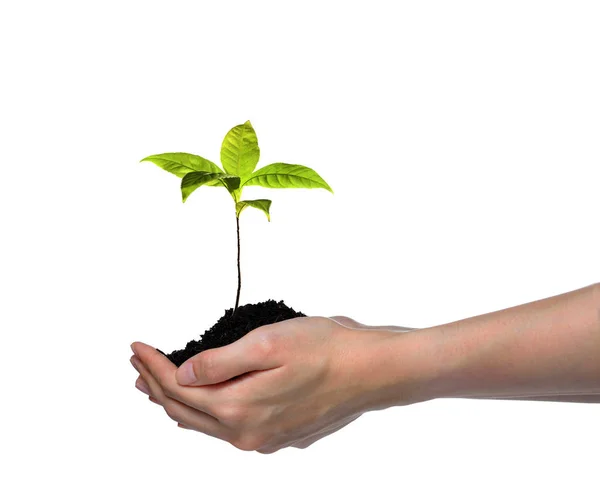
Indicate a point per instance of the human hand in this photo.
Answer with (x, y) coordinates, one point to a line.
(286, 384)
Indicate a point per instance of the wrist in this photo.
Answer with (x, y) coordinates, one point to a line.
(391, 368)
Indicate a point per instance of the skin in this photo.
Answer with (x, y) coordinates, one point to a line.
(294, 382)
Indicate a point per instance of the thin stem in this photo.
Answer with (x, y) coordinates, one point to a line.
(237, 299)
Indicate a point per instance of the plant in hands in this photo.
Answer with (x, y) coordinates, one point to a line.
(287, 384)
(239, 157)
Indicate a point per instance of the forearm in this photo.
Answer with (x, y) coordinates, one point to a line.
(544, 350)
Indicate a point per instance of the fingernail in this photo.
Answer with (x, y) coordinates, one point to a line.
(132, 349)
(134, 363)
(142, 386)
(186, 375)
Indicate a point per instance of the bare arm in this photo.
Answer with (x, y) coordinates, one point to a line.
(593, 397)
(544, 350)
(292, 383)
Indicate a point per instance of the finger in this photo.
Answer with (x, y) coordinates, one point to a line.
(142, 386)
(159, 366)
(179, 412)
(253, 352)
(156, 392)
(163, 372)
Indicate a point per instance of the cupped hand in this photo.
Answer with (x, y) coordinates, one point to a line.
(286, 384)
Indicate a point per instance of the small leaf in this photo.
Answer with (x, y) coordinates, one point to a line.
(261, 204)
(240, 151)
(283, 175)
(194, 180)
(180, 164)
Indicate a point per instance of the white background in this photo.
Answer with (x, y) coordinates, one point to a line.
(460, 138)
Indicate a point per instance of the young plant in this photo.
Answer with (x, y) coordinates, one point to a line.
(239, 157)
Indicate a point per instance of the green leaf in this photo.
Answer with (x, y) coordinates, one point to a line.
(194, 180)
(261, 204)
(240, 151)
(286, 176)
(180, 164)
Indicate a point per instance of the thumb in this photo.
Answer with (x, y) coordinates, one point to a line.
(252, 352)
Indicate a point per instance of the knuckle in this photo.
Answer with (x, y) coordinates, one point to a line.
(207, 366)
(248, 442)
(154, 371)
(265, 344)
(171, 411)
(168, 391)
(232, 414)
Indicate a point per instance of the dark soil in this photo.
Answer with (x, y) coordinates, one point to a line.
(228, 330)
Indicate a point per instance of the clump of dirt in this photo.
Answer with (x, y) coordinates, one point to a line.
(229, 329)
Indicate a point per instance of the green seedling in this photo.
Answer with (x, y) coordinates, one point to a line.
(239, 157)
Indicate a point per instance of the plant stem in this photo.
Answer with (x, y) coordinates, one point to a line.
(237, 299)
